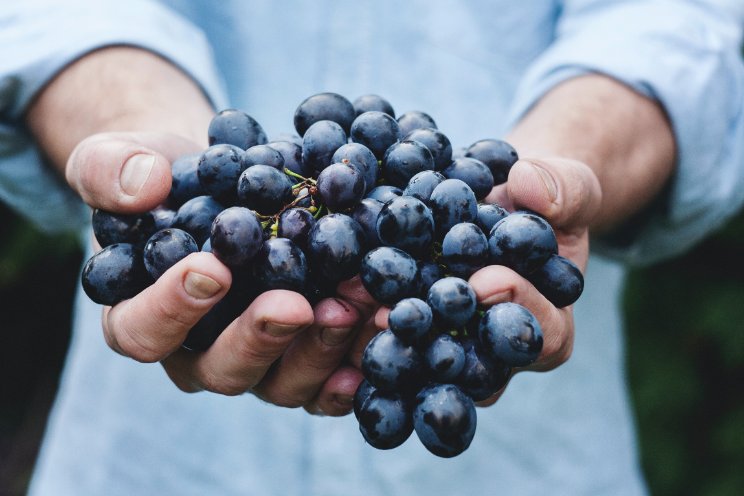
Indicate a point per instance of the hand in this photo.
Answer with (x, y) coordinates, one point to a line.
(565, 192)
(279, 348)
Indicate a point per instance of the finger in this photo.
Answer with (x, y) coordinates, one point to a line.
(155, 322)
(246, 349)
(125, 172)
(312, 356)
(566, 192)
(381, 318)
(363, 336)
(353, 292)
(497, 284)
(336, 397)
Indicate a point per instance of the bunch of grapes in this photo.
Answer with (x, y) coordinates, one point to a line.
(357, 192)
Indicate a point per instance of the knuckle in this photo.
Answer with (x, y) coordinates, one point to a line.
(223, 385)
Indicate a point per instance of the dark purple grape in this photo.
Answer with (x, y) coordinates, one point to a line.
(410, 319)
(437, 142)
(522, 241)
(319, 143)
(488, 215)
(292, 154)
(165, 248)
(375, 130)
(415, 119)
(163, 217)
(365, 213)
(452, 202)
(384, 193)
(422, 184)
(510, 333)
(430, 273)
(445, 358)
(290, 137)
(318, 287)
(452, 301)
(363, 158)
(280, 264)
(481, 376)
(385, 420)
(264, 189)
(389, 275)
(324, 106)
(465, 249)
(391, 365)
(237, 128)
(559, 280)
(110, 228)
(361, 394)
(367, 103)
(444, 419)
(473, 172)
(406, 222)
(336, 247)
(236, 236)
(196, 216)
(185, 183)
(219, 168)
(295, 225)
(403, 160)
(264, 155)
(340, 186)
(114, 274)
(499, 156)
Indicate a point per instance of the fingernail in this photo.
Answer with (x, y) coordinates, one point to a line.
(547, 180)
(344, 400)
(279, 330)
(135, 172)
(497, 298)
(334, 336)
(200, 286)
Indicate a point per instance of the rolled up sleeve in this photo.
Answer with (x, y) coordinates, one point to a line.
(37, 40)
(687, 56)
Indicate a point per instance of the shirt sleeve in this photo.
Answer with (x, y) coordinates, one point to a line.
(37, 40)
(687, 56)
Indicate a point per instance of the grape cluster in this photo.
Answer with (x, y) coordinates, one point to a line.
(359, 191)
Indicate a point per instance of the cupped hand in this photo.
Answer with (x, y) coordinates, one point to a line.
(280, 348)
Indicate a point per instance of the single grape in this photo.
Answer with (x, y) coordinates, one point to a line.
(410, 319)
(324, 106)
(114, 274)
(295, 225)
(385, 420)
(319, 143)
(444, 419)
(196, 216)
(437, 143)
(264, 155)
(110, 228)
(185, 183)
(384, 193)
(375, 130)
(452, 302)
(264, 189)
(237, 128)
(389, 275)
(510, 333)
(403, 160)
(499, 156)
(473, 172)
(488, 215)
(361, 394)
(430, 272)
(218, 170)
(336, 247)
(340, 186)
(365, 213)
(361, 157)
(236, 236)
(452, 202)
(163, 217)
(406, 222)
(391, 365)
(465, 249)
(165, 248)
(522, 241)
(422, 185)
(280, 264)
(415, 119)
(292, 154)
(559, 280)
(481, 376)
(367, 103)
(445, 358)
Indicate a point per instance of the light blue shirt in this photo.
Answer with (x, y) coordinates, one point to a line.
(120, 427)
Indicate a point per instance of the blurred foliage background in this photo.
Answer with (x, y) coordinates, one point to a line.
(685, 356)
